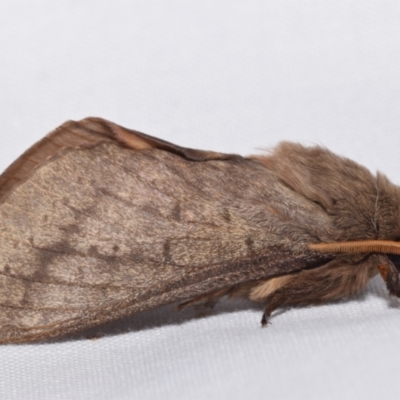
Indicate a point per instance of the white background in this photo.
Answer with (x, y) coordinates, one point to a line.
(231, 76)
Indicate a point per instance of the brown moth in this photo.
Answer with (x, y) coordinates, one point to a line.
(98, 222)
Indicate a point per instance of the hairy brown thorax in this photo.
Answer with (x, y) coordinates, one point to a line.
(99, 222)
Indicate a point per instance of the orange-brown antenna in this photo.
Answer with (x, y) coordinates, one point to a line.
(359, 246)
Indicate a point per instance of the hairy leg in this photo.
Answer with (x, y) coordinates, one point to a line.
(314, 286)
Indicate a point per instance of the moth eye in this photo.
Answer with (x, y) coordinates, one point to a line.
(395, 259)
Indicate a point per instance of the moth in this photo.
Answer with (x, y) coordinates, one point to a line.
(98, 222)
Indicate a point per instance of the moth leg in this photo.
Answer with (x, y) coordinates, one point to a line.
(273, 303)
(390, 275)
(315, 286)
(209, 299)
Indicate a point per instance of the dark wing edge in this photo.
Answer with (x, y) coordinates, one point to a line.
(91, 131)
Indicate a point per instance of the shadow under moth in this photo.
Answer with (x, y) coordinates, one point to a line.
(98, 222)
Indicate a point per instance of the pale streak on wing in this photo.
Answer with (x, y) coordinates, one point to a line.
(89, 131)
(66, 136)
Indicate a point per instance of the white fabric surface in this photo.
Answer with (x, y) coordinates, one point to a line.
(231, 76)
